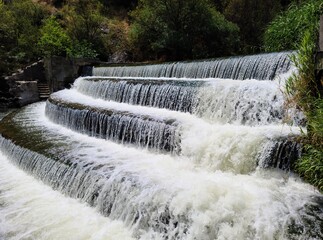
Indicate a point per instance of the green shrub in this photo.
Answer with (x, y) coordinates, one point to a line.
(252, 17)
(297, 28)
(302, 90)
(116, 40)
(84, 22)
(8, 38)
(311, 166)
(82, 49)
(54, 40)
(28, 17)
(288, 29)
(301, 87)
(19, 31)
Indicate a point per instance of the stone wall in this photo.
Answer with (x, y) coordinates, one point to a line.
(17, 93)
(20, 88)
(61, 72)
(26, 92)
(58, 73)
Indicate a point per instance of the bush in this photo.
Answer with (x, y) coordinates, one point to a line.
(297, 28)
(116, 40)
(252, 16)
(302, 89)
(8, 38)
(288, 29)
(311, 166)
(81, 49)
(84, 23)
(19, 30)
(28, 18)
(54, 41)
(178, 29)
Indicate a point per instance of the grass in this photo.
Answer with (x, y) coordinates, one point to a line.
(302, 90)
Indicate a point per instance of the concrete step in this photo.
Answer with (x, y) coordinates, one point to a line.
(43, 90)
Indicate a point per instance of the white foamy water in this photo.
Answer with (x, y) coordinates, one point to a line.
(212, 205)
(248, 102)
(261, 66)
(73, 96)
(239, 102)
(181, 158)
(31, 210)
(212, 146)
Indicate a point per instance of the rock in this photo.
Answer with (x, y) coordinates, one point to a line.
(27, 92)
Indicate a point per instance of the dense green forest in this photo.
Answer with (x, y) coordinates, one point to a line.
(143, 30)
(165, 30)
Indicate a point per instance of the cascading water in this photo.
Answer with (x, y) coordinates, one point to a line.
(248, 102)
(168, 151)
(260, 67)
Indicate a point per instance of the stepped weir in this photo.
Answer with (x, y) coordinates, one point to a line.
(186, 150)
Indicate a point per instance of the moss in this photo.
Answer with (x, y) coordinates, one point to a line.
(33, 139)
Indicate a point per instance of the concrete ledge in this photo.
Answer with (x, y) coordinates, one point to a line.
(27, 92)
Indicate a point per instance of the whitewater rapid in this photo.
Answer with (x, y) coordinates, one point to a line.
(217, 204)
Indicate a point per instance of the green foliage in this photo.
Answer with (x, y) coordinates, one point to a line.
(81, 49)
(54, 40)
(252, 16)
(7, 38)
(303, 91)
(117, 38)
(297, 28)
(311, 166)
(289, 28)
(28, 16)
(302, 86)
(84, 23)
(181, 29)
(83, 19)
(7, 26)
(19, 28)
(315, 124)
(160, 29)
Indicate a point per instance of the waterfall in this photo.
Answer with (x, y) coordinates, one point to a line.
(186, 150)
(261, 67)
(173, 95)
(247, 102)
(96, 185)
(117, 126)
(72, 220)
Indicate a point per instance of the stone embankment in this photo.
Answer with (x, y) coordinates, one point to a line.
(38, 80)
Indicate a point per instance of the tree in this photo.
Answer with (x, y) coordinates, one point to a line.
(120, 3)
(85, 24)
(252, 17)
(19, 28)
(116, 41)
(7, 38)
(28, 18)
(54, 41)
(181, 29)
